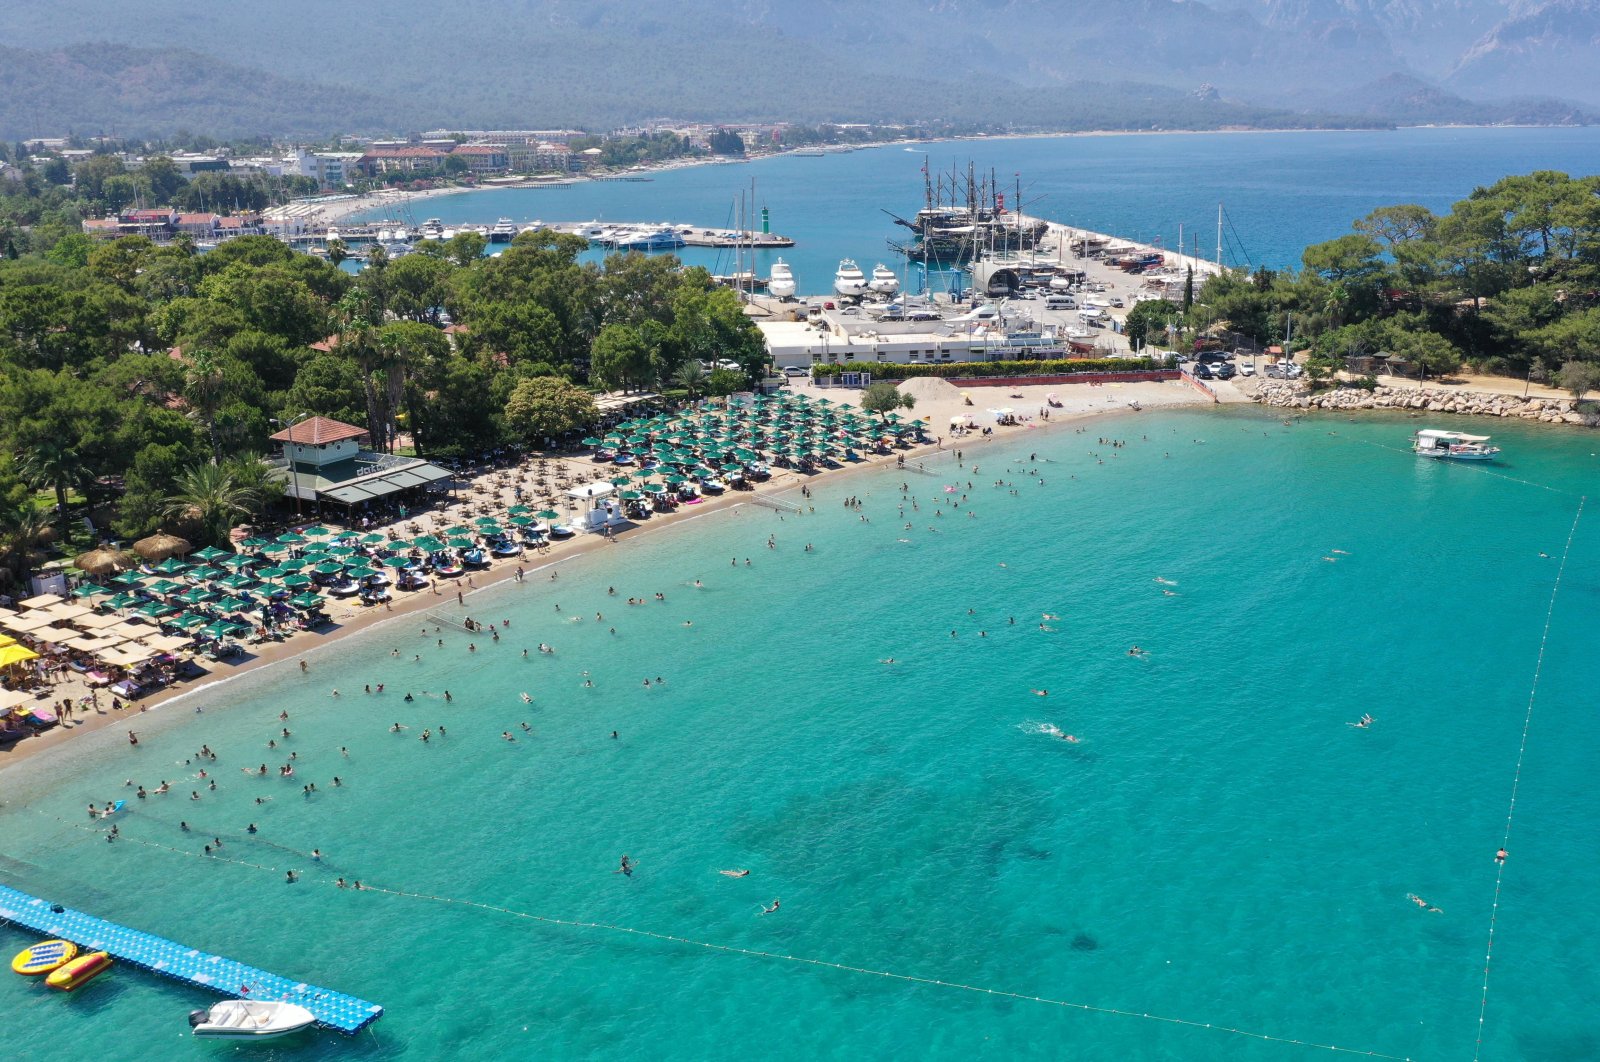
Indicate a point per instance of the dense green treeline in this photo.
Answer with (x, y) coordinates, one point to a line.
(1507, 282)
(126, 368)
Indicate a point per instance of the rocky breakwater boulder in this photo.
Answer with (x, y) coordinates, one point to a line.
(1299, 395)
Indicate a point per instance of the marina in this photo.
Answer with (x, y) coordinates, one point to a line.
(190, 966)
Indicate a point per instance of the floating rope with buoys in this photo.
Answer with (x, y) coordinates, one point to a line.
(756, 953)
(1516, 776)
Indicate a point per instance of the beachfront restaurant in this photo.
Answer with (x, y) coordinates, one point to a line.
(323, 462)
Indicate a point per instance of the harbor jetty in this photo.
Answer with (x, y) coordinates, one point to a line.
(333, 1010)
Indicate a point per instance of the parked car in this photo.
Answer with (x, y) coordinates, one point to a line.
(1115, 300)
(1202, 370)
(791, 371)
(1247, 368)
(1224, 370)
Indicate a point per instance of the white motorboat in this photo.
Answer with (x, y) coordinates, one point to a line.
(849, 280)
(781, 282)
(432, 229)
(1452, 445)
(250, 1019)
(883, 281)
(504, 231)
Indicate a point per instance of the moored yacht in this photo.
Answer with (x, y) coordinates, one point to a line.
(883, 281)
(432, 229)
(849, 280)
(781, 282)
(504, 231)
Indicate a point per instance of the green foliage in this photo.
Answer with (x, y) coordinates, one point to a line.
(548, 407)
(1148, 320)
(723, 382)
(1579, 377)
(883, 398)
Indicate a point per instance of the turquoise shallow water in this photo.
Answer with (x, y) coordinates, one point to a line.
(1218, 847)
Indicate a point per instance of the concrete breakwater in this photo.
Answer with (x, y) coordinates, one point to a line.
(1426, 399)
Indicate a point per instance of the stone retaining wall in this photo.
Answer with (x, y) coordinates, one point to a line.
(1298, 395)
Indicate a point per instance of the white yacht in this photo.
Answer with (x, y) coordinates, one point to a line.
(781, 282)
(1452, 445)
(432, 229)
(504, 231)
(883, 281)
(849, 280)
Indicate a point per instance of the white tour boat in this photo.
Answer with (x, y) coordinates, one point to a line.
(250, 1019)
(1452, 445)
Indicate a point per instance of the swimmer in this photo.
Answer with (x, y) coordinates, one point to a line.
(1136, 651)
(1340, 552)
(526, 699)
(734, 873)
(397, 728)
(1500, 857)
(626, 867)
(1424, 904)
(887, 660)
(770, 910)
(1069, 739)
(1050, 615)
(1041, 693)
(1166, 582)
(506, 734)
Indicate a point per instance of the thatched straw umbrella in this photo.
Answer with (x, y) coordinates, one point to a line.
(160, 546)
(104, 561)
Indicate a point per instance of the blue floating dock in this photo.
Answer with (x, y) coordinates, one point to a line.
(334, 1010)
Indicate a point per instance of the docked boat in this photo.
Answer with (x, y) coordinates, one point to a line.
(561, 531)
(250, 1019)
(432, 229)
(1452, 445)
(781, 282)
(883, 281)
(503, 231)
(849, 280)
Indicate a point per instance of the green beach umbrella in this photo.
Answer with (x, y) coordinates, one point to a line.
(292, 581)
(654, 488)
(546, 514)
(461, 543)
(256, 543)
(238, 581)
(459, 529)
(591, 441)
(395, 562)
(122, 601)
(329, 568)
(341, 551)
(187, 622)
(361, 573)
(373, 539)
(232, 604)
(290, 539)
(157, 609)
(171, 566)
(91, 590)
(486, 520)
(196, 596)
(630, 495)
(316, 532)
(219, 629)
(164, 587)
(306, 601)
(209, 553)
(429, 543)
(270, 573)
(520, 510)
(237, 561)
(522, 521)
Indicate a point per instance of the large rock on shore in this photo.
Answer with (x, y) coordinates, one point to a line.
(1298, 395)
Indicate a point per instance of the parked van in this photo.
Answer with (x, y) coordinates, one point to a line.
(1060, 302)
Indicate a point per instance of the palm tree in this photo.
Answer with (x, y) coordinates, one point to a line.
(21, 529)
(203, 390)
(690, 376)
(337, 251)
(54, 463)
(214, 497)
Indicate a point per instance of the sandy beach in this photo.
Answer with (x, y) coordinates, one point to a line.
(937, 401)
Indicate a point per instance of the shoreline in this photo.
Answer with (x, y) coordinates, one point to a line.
(51, 743)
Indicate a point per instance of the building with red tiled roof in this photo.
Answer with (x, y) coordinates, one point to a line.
(402, 159)
(319, 431)
(198, 224)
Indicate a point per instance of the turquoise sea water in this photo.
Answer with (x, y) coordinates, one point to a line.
(1219, 846)
(1282, 191)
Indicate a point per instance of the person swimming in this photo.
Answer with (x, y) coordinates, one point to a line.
(734, 873)
(770, 910)
(1424, 904)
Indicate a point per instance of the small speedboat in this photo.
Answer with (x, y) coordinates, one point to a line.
(561, 531)
(624, 457)
(504, 548)
(250, 1019)
(474, 558)
(1452, 445)
(448, 571)
(344, 588)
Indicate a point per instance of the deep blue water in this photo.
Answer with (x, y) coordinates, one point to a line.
(1281, 191)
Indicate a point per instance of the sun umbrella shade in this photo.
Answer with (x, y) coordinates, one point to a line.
(187, 622)
(221, 629)
(306, 601)
(157, 609)
(90, 590)
(237, 561)
(296, 579)
(316, 532)
(210, 553)
(328, 568)
(461, 543)
(546, 514)
(291, 539)
(237, 581)
(171, 566)
(270, 573)
(232, 604)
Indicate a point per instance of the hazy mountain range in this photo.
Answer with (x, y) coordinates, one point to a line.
(303, 66)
